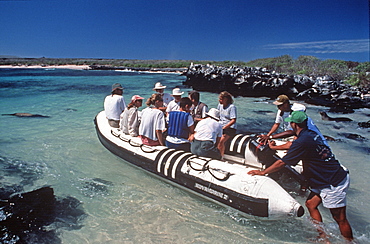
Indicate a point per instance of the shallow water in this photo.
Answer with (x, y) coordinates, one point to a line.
(123, 204)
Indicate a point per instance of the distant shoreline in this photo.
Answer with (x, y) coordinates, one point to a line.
(93, 67)
(75, 67)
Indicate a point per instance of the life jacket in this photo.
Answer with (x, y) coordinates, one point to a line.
(178, 124)
(198, 114)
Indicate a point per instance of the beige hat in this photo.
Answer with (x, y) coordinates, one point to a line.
(214, 113)
(281, 100)
(158, 85)
(177, 92)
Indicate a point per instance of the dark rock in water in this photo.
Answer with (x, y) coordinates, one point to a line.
(364, 124)
(326, 117)
(329, 138)
(71, 110)
(27, 115)
(96, 186)
(24, 216)
(354, 136)
(260, 82)
(27, 213)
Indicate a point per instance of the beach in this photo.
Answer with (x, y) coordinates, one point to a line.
(69, 66)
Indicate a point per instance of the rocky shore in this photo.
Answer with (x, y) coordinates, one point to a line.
(260, 82)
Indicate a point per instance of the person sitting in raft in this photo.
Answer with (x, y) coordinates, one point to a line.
(167, 98)
(152, 122)
(114, 105)
(129, 123)
(208, 133)
(310, 124)
(198, 109)
(228, 117)
(284, 109)
(174, 105)
(180, 127)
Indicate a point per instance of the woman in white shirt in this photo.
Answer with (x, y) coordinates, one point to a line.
(228, 117)
(152, 122)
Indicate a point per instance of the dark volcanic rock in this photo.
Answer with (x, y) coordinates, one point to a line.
(256, 82)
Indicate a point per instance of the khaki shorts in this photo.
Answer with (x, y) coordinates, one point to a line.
(113, 123)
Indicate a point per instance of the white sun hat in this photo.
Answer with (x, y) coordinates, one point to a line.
(214, 113)
(298, 107)
(177, 92)
(158, 85)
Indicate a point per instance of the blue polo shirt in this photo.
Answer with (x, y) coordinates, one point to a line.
(320, 167)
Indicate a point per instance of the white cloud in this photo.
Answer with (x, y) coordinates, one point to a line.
(339, 46)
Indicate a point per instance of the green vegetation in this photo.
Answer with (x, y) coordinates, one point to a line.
(354, 73)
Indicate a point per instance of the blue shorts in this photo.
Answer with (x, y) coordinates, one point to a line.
(334, 196)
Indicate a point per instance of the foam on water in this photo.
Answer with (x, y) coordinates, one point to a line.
(125, 204)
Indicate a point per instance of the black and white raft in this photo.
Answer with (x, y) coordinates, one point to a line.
(225, 182)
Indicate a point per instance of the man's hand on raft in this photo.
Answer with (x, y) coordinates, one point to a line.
(256, 172)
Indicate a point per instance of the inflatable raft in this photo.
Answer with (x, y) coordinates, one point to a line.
(225, 182)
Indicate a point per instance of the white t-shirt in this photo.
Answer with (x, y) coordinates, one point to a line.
(281, 120)
(208, 129)
(151, 120)
(178, 140)
(227, 114)
(114, 106)
(167, 98)
(173, 106)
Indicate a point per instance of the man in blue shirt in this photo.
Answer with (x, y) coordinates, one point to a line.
(327, 178)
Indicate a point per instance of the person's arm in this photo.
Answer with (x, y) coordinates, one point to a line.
(228, 125)
(285, 146)
(191, 132)
(217, 141)
(278, 165)
(264, 138)
(160, 137)
(283, 134)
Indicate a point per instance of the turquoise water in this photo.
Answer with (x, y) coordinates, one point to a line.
(122, 204)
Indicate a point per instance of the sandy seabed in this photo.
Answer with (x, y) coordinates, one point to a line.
(76, 67)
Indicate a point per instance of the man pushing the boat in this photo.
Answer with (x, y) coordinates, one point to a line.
(327, 178)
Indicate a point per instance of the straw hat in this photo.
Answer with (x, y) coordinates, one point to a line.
(158, 85)
(214, 113)
(177, 92)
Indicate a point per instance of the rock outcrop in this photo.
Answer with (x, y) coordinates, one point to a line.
(257, 82)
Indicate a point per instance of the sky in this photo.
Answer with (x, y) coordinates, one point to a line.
(235, 30)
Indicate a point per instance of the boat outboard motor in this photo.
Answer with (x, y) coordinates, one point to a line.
(264, 153)
(249, 148)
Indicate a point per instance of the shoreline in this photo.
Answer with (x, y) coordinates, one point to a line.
(74, 67)
(90, 67)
